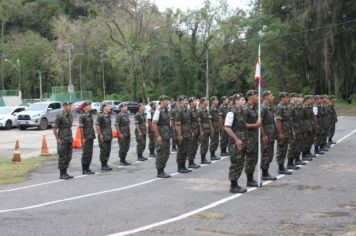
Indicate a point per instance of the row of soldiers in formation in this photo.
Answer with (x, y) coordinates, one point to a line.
(296, 123)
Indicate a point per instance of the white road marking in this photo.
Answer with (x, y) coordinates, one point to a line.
(211, 205)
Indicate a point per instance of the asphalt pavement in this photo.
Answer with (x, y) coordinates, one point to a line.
(318, 199)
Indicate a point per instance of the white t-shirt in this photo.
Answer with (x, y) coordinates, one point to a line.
(229, 119)
(156, 116)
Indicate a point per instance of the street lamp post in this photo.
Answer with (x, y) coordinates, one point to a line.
(18, 68)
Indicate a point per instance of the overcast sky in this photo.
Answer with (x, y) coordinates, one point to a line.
(192, 4)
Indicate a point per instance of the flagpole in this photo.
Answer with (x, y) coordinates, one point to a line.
(259, 116)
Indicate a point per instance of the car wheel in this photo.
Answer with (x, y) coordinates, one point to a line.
(21, 127)
(43, 124)
(8, 125)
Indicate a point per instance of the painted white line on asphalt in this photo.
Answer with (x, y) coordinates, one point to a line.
(211, 205)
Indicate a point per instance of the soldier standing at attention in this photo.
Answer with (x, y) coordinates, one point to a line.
(86, 125)
(214, 127)
(194, 125)
(223, 110)
(204, 128)
(284, 129)
(235, 127)
(268, 134)
(184, 133)
(103, 128)
(151, 135)
(141, 132)
(333, 119)
(122, 125)
(308, 124)
(161, 129)
(62, 130)
(172, 114)
(252, 125)
(319, 125)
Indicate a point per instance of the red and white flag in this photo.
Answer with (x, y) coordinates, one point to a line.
(258, 68)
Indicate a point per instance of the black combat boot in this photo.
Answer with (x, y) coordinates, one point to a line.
(162, 174)
(152, 153)
(283, 171)
(174, 148)
(141, 158)
(306, 157)
(204, 161)
(123, 161)
(235, 188)
(291, 165)
(299, 162)
(267, 176)
(105, 167)
(223, 152)
(323, 148)
(84, 169)
(317, 151)
(89, 171)
(251, 182)
(331, 141)
(213, 157)
(193, 165)
(63, 174)
(67, 175)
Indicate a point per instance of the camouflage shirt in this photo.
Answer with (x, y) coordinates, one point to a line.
(204, 120)
(123, 123)
(223, 110)
(296, 114)
(140, 120)
(86, 123)
(104, 122)
(236, 119)
(251, 118)
(64, 123)
(267, 117)
(214, 114)
(194, 124)
(182, 118)
(162, 119)
(282, 113)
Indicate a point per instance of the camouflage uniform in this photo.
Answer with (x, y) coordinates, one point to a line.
(326, 123)
(267, 117)
(86, 123)
(223, 110)
(64, 123)
(214, 139)
(319, 130)
(162, 119)
(308, 124)
(204, 120)
(182, 119)
(151, 135)
(123, 124)
(282, 113)
(194, 124)
(252, 139)
(140, 120)
(236, 120)
(296, 115)
(104, 122)
(333, 120)
(172, 114)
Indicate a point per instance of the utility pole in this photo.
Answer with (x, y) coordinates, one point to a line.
(70, 71)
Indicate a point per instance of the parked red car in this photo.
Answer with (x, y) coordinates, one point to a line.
(78, 107)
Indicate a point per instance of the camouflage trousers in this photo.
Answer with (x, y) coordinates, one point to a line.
(193, 147)
(163, 151)
(214, 141)
(152, 142)
(141, 144)
(87, 154)
(64, 155)
(105, 150)
(223, 140)
(124, 146)
(267, 154)
(325, 133)
(308, 140)
(295, 146)
(251, 156)
(331, 130)
(282, 149)
(183, 149)
(204, 146)
(237, 160)
(174, 137)
(318, 136)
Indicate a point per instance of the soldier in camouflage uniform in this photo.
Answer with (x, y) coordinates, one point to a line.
(122, 125)
(296, 116)
(284, 130)
(141, 132)
(223, 110)
(104, 130)
(204, 128)
(151, 135)
(252, 125)
(235, 128)
(86, 125)
(194, 125)
(318, 112)
(161, 128)
(308, 124)
(333, 119)
(326, 123)
(62, 130)
(184, 133)
(172, 114)
(214, 127)
(268, 134)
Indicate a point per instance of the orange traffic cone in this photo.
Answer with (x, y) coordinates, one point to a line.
(17, 154)
(77, 142)
(114, 133)
(44, 149)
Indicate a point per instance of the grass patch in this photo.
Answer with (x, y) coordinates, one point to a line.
(12, 173)
(345, 109)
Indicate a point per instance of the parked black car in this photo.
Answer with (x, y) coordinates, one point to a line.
(132, 106)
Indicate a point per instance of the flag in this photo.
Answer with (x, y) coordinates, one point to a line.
(258, 69)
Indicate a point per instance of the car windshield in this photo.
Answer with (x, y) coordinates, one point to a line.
(37, 107)
(5, 110)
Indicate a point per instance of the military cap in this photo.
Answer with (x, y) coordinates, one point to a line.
(191, 99)
(66, 103)
(251, 93)
(213, 98)
(332, 96)
(203, 99)
(182, 97)
(237, 96)
(266, 93)
(300, 95)
(283, 94)
(306, 97)
(163, 97)
(316, 96)
(224, 97)
(325, 96)
(293, 95)
(122, 105)
(86, 104)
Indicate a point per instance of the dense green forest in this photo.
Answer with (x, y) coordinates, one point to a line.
(308, 46)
